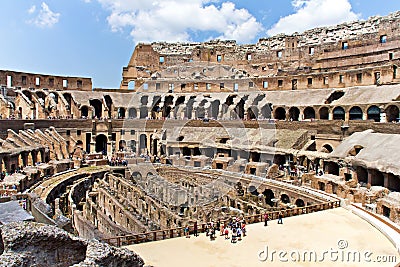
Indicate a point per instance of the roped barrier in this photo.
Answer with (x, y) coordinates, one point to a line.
(179, 231)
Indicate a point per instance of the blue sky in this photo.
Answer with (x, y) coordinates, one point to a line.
(95, 38)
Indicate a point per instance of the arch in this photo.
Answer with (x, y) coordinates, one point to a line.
(98, 107)
(285, 198)
(294, 113)
(252, 113)
(392, 113)
(324, 113)
(132, 145)
(101, 143)
(121, 113)
(355, 113)
(109, 103)
(266, 111)
(142, 142)
(253, 190)
(374, 113)
(214, 109)
(85, 111)
(131, 85)
(200, 112)
(132, 113)
(362, 175)
(332, 168)
(269, 195)
(143, 112)
(280, 113)
(328, 148)
(68, 98)
(239, 109)
(339, 113)
(299, 202)
(122, 145)
(309, 113)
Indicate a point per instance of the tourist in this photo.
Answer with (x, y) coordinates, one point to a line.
(280, 216)
(239, 234)
(195, 228)
(244, 229)
(226, 233)
(266, 219)
(233, 239)
(186, 230)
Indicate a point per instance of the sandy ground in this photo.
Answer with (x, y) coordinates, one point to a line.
(324, 233)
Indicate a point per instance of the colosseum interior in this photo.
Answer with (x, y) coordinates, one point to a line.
(206, 131)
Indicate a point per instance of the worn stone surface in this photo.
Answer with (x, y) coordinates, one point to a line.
(33, 244)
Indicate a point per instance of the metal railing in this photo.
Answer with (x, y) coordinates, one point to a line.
(179, 231)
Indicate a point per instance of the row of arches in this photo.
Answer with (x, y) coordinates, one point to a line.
(338, 113)
(271, 199)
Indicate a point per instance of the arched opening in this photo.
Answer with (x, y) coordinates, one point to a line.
(169, 101)
(133, 145)
(266, 111)
(339, 114)
(269, 195)
(101, 144)
(327, 148)
(122, 145)
(131, 85)
(279, 159)
(294, 114)
(200, 113)
(374, 113)
(239, 109)
(84, 111)
(68, 98)
(285, 198)
(253, 190)
(392, 113)
(132, 113)
(299, 202)
(121, 113)
(362, 175)
(377, 178)
(332, 168)
(142, 143)
(109, 102)
(324, 113)
(214, 109)
(280, 114)
(98, 107)
(355, 113)
(252, 113)
(309, 113)
(143, 112)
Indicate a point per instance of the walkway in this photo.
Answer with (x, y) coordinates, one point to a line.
(319, 232)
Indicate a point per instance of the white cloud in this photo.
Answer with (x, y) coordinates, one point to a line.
(32, 10)
(314, 13)
(175, 20)
(45, 18)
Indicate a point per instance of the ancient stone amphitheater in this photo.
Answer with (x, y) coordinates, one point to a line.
(197, 132)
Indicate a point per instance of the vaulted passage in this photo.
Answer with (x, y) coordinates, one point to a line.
(280, 114)
(98, 107)
(356, 113)
(309, 113)
(294, 114)
(101, 144)
(392, 113)
(339, 114)
(374, 113)
(324, 113)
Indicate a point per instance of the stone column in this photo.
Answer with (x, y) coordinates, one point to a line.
(369, 176)
(386, 180)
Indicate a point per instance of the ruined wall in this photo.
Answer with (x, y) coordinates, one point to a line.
(38, 81)
(330, 57)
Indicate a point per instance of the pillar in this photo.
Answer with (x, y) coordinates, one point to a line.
(386, 180)
(369, 177)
